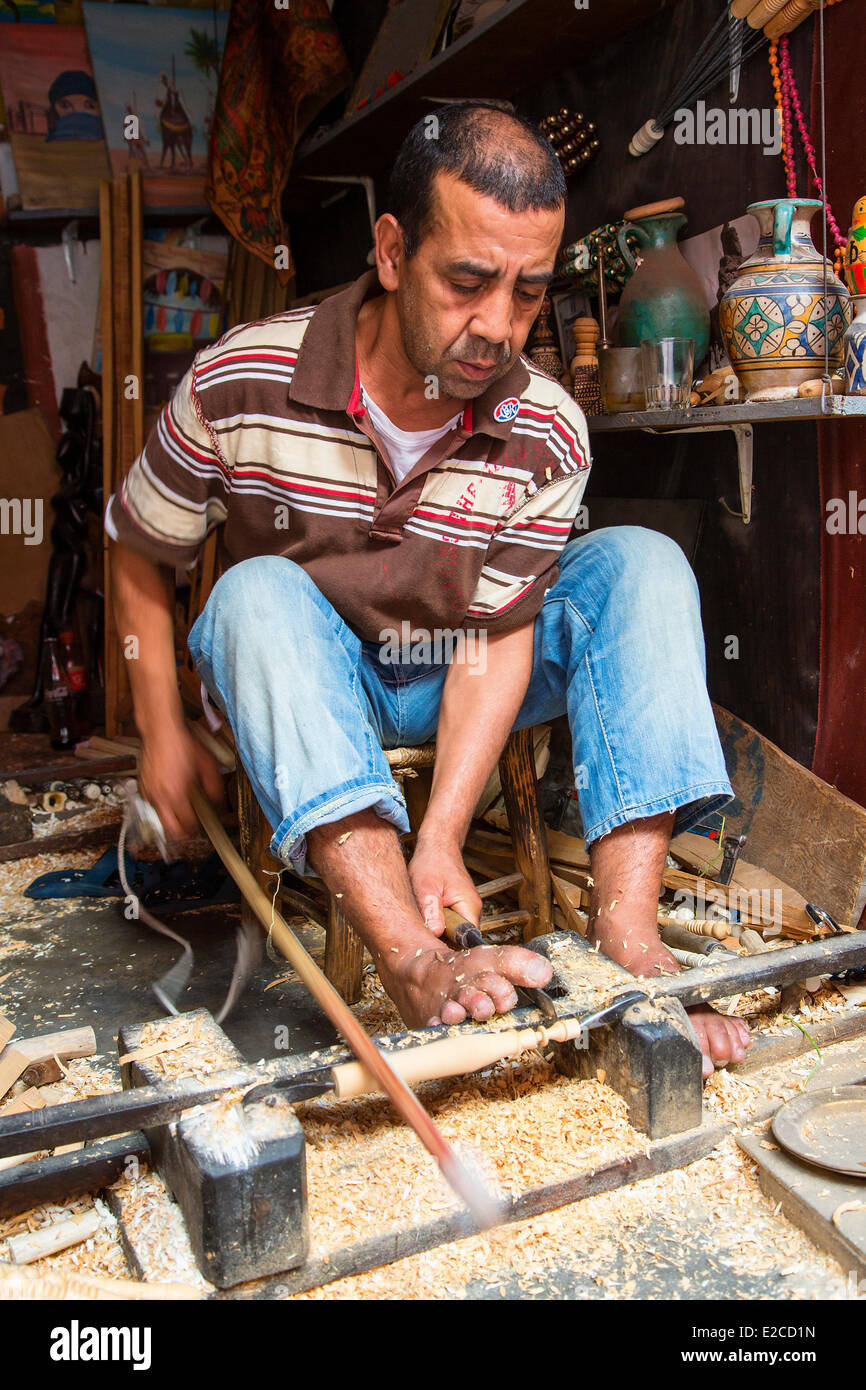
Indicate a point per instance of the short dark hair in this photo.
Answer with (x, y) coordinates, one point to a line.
(487, 146)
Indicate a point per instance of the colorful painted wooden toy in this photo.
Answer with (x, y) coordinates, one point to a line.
(855, 251)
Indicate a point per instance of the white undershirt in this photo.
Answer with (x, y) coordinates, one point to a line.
(405, 447)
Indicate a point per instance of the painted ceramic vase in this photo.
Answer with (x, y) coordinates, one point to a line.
(855, 251)
(855, 350)
(773, 317)
(664, 297)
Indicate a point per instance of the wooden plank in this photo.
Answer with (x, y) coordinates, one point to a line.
(52, 844)
(570, 900)
(27, 1184)
(7, 1028)
(136, 233)
(793, 1042)
(798, 827)
(12, 1064)
(810, 1197)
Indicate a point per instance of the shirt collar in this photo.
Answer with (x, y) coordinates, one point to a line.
(325, 375)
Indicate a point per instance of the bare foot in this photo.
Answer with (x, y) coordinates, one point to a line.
(722, 1039)
(431, 984)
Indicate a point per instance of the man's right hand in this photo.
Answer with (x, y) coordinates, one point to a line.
(172, 762)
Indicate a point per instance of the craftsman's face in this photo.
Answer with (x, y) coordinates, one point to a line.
(468, 298)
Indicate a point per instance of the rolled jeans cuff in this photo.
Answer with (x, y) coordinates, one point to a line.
(691, 804)
(289, 841)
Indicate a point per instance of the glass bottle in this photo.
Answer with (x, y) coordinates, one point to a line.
(58, 696)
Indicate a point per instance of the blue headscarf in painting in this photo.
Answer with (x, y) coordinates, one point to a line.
(74, 125)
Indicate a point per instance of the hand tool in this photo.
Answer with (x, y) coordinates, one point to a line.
(465, 935)
(467, 1186)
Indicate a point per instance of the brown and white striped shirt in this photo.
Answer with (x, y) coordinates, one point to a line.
(267, 438)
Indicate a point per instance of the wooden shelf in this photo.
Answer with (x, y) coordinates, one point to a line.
(739, 419)
(519, 46)
(716, 416)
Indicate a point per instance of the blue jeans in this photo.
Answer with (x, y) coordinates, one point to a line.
(618, 648)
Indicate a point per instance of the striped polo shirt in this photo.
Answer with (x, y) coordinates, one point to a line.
(267, 439)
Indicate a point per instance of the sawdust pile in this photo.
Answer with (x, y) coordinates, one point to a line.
(523, 1123)
(614, 1245)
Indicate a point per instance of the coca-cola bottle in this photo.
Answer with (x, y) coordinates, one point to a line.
(58, 696)
(73, 663)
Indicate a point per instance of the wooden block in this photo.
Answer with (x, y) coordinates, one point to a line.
(71, 1042)
(570, 900)
(7, 1028)
(698, 853)
(43, 1073)
(12, 1063)
(798, 827)
(28, 1100)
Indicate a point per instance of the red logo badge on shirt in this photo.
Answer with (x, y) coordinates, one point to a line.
(506, 410)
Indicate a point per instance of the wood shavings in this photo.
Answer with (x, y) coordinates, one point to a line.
(842, 1208)
(341, 839)
(526, 1125)
(583, 1241)
(191, 1050)
(154, 1228)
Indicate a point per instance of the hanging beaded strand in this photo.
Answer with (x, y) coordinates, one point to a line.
(783, 114)
(791, 98)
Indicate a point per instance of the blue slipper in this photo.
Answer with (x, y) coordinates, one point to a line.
(101, 880)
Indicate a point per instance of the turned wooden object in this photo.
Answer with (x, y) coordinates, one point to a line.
(33, 1245)
(528, 832)
(455, 1056)
(788, 19)
(586, 332)
(761, 13)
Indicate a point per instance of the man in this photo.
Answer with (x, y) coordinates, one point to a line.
(390, 459)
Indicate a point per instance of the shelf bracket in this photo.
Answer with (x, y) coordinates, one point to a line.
(744, 436)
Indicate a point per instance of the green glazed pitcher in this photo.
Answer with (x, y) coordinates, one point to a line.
(664, 297)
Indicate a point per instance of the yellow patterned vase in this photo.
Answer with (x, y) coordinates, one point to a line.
(785, 305)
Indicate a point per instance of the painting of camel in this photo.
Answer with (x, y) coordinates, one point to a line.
(157, 71)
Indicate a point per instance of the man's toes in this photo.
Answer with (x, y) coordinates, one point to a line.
(476, 1003)
(524, 967)
(452, 1012)
(501, 991)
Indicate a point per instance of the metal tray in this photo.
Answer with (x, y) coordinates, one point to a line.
(827, 1128)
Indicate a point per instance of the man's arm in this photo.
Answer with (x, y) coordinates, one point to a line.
(172, 760)
(476, 716)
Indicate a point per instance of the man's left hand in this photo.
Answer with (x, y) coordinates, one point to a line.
(439, 879)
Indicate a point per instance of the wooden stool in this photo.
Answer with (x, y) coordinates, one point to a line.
(343, 947)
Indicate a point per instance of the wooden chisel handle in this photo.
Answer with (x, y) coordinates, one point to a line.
(447, 1057)
(456, 1056)
(460, 932)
